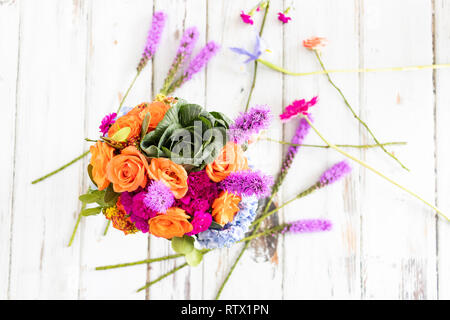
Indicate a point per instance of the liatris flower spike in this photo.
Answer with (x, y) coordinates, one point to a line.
(154, 35)
(249, 123)
(298, 107)
(248, 183)
(307, 226)
(334, 173)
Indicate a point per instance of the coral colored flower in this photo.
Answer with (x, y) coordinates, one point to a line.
(171, 174)
(230, 159)
(200, 223)
(128, 170)
(283, 18)
(246, 18)
(297, 107)
(315, 43)
(174, 223)
(107, 122)
(128, 120)
(225, 207)
(157, 110)
(101, 155)
(120, 220)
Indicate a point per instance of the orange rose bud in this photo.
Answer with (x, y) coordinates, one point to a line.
(131, 121)
(101, 155)
(174, 223)
(128, 170)
(230, 159)
(157, 110)
(225, 207)
(171, 174)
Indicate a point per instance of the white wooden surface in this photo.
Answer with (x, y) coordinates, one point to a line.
(64, 64)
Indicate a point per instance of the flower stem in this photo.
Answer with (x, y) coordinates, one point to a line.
(149, 284)
(354, 113)
(255, 69)
(363, 146)
(61, 168)
(374, 170)
(83, 206)
(359, 70)
(106, 228)
(128, 91)
(146, 261)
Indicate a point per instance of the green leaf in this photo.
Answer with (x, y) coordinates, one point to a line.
(91, 211)
(194, 257)
(91, 196)
(215, 226)
(121, 135)
(110, 197)
(145, 123)
(89, 169)
(183, 245)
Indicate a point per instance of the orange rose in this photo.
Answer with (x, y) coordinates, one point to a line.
(225, 207)
(128, 170)
(131, 121)
(174, 223)
(171, 174)
(230, 159)
(101, 155)
(157, 110)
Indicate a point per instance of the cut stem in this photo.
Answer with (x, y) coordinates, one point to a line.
(83, 206)
(354, 113)
(135, 263)
(374, 170)
(149, 284)
(60, 168)
(358, 70)
(106, 228)
(128, 91)
(357, 146)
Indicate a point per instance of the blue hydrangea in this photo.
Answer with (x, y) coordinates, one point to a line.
(233, 231)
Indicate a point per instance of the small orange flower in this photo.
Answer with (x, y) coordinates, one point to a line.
(174, 223)
(230, 159)
(131, 121)
(120, 220)
(315, 43)
(157, 110)
(171, 174)
(128, 170)
(225, 207)
(101, 155)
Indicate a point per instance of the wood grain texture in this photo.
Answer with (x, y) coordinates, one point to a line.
(65, 64)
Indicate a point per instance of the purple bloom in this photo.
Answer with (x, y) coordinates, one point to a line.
(107, 122)
(187, 43)
(201, 59)
(334, 173)
(158, 197)
(154, 35)
(252, 56)
(140, 223)
(201, 222)
(139, 207)
(249, 123)
(248, 183)
(308, 225)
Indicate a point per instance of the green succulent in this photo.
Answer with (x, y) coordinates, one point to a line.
(188, 135)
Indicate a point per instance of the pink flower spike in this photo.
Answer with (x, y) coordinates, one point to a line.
(315, 43)
(297, 107)
(246, 18)
(283, 18)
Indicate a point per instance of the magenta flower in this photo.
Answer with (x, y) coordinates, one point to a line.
(201, 222)
(249, 123)
(107, 122)
(335, 173)
(297, 107)
(140, 208)
(246, 18)
(283, 18)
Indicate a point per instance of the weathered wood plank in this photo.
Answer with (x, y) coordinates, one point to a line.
(442, 118)
(323, 265)
(399, 238)
(9, 53)
(49, 126)
(187, 283)
(117, 34)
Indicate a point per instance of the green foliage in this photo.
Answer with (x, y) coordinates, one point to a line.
(184, 245)
(91, 211)
(121, 135)
(194, 257)
(188, 135)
